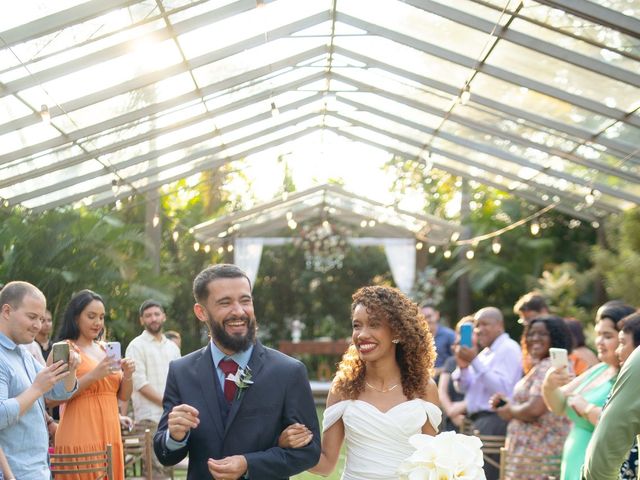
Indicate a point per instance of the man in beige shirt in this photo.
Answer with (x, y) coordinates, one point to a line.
(152, 352)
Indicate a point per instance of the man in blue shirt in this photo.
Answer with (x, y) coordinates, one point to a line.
(23, 382)
(443, 337)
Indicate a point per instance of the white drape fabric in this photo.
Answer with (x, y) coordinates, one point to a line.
(247, 252)
(377, 442)
(401, 256)
(400, 253)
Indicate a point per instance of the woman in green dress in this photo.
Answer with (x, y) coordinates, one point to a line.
(582, 398)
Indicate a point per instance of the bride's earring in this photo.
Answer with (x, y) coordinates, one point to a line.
(395, 340)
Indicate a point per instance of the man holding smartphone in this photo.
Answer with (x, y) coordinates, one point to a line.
(24, 382)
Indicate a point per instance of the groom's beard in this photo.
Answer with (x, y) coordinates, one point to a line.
(234, 343)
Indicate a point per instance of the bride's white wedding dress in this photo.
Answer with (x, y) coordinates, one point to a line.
(377, 442)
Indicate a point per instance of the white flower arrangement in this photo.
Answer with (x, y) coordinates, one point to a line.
(447, 456)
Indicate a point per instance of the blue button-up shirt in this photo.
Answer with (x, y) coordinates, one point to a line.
(24, 438)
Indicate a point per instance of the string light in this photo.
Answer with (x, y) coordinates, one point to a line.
(496, 246)
(470, 254)
(45, 114)
(175, 236)
(292, 224)
(207, 248)
(465, 96)
(419, 246)
(432, 249)
(156, 220)
(229, 248)
(196, 245)
(535, 227)
(447, 253)
(274, 110)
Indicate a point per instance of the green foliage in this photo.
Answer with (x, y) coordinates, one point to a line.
(64, 251)
(620, 264)
(561, 286)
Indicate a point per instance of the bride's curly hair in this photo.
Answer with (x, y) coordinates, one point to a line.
(415, 353)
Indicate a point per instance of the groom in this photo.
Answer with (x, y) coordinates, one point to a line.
(230, 428)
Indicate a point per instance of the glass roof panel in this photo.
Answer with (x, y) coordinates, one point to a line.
(538, 103)
(32, 10)
(411, 21)
(26, 136)
(247, 25)
(565, 76)
(582, 28)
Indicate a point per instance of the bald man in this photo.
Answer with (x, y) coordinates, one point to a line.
(483, 373)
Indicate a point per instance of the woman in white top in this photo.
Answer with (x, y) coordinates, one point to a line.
(382, 393)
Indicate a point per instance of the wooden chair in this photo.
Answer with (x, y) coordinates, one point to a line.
(138, 455)
(516, 466)
(99, 462)
(491, 447)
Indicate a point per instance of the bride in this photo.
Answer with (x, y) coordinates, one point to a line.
(382, 393)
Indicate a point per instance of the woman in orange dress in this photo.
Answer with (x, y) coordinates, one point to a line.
(90, 419)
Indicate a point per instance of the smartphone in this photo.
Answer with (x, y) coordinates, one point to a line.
(559, 357)
(114, 351)
(501, 403)
(60, 351)
(466, 332)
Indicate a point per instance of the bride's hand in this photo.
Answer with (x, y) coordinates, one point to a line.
(295, 436)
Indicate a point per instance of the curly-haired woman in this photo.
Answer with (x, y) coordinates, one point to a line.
(534, 430)
(382, 392)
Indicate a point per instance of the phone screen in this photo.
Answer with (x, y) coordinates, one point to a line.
(60, 351)
(466, 331)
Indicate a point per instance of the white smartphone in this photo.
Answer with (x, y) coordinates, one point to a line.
(559, 357)
(114, 351)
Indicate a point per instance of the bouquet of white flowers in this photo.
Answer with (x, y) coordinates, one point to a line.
(447, 456)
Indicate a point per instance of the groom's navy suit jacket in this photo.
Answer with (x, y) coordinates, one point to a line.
(279, 396)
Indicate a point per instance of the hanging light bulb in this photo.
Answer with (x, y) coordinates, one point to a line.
(220, 250)
(590, 198)
(447, 253)
(465, 96)
(496, 246)
(292, 224)
(419, 246)
(455, 236)
(191, 230)
(229, 248)
(155, 221)
(274, 110)
(175, 236)
(372, 223)
(535, 227)
(45, 114)
(432, 249)
(207, 248)
(470, 254)
(196, 245)
(363, 223)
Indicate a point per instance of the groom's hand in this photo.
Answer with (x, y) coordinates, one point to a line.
(228, 468)
(182, 418)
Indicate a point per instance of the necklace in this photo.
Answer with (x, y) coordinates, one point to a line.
(384, 390)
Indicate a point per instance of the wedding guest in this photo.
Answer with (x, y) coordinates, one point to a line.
(482, 374)
(382, 393)
(24, 382)
(534, 430)
(90, 419)
(618, 426)
(581, 357)
(443, 337)
(582, 398)
(452, 401)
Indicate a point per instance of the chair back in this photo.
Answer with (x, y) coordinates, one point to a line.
(138, 454)
(98, 462)
(491, 447)
(516, 465)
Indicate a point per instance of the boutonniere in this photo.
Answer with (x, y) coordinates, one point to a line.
(242, 379)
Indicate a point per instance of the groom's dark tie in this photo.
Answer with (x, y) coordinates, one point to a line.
(227, 367)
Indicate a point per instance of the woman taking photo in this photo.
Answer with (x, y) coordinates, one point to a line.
(532, 429)
(90, 419)
(383, 392)
(582, 398)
